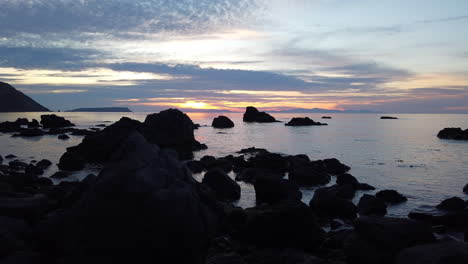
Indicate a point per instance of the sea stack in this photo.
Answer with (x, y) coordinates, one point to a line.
(12, 100)
(222, 122)
(253, 115)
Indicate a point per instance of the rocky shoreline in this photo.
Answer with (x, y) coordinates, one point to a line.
(145, 206)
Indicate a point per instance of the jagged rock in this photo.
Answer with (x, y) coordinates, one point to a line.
(63, 137)
(304, 121)
(371, 205)
(223, 186)
(54, 121)
(33, 124)
(439, 253)
(144, 207)
(71, 161)
(452, 204)
(253, 115)
(332, 201)
(453, 133)
(222, 122)
(391, 196)
(288, 224)
(334, 166)
(12, 100)
(274, 189)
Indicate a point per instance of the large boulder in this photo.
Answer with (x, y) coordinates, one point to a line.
(453, 133)
(288, 224)
(378, 239)
(222, 185)
(465, 189)
(391, 196)
(144, 207)
(308, 175)
(71, 161)
(333, 202)
(274, 189)
(222, 122)
(452, 204)
(303, 121)
(438, 253)
(253, 115)
(54, 121)
(371, 205)
(172, 129)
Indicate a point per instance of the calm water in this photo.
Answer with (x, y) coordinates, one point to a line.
(402, 154)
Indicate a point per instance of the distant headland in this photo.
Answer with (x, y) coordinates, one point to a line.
(12, 100)
(102, 109)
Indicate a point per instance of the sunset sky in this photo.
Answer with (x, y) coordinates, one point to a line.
(389, 56)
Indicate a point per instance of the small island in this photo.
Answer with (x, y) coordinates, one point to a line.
(388, 117)
(103, 110)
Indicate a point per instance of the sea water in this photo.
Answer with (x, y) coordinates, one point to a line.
(403, 154)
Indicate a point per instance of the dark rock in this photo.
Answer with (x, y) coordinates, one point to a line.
(329, 201)
(365, 187)
(44, 164)
(253, 150)
(101, 125)
(455, 219)
(334, 166)
(10, 156)
(391, 196)
(371, 205)
(438, 253)
(143, 207)
(196, 166)
(378, 239)
(303, 121)
(33, 169)
(250, 175)
(272, 190)
(388, 117)
(223, 186)
(33, 132)
(453, 133)
(33, 124)
(71, 161)
(31, 207)
(17, 165)
(82, 132)
(347, 178)
(12, 100)
(54, 121)
(272, 162)
(289, 224)
(43, 181)
(1, 159)
(223, 163)
(63, 137)
(308, 175)
(14, 236)
(253, 115)
(222, 122)
(172, 129)
(60, 175)
(326, 117)
(465, 189)
(452, 204)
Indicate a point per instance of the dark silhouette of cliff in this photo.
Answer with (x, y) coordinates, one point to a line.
(12, 100)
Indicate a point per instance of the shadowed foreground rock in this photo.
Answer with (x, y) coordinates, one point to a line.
(54, 121)
(222, 122)
(453, 133)
(439, 253)
(253, 115)
(143, 208)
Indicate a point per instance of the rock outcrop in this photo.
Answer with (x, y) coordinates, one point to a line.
(253, 115)
(12, 100)
(54, 121)
(453, 133)
(303, 121)
(144, 207)
(222, 122)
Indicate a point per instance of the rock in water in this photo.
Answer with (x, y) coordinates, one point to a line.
(172, 129)
(54, 121)
(222, 122)
(453, 133)
(12, 100)
(452, 204)
(391, 196)
(465, 189)
(222, 185)
(371, 205)
(304, 121)
(144, 207)
(253, 115)
(388, 117)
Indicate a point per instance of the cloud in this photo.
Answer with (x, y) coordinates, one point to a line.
(65, 16)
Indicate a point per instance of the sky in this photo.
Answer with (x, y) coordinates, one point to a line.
(394, 56)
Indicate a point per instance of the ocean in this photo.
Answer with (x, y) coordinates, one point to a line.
(402, 154)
